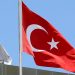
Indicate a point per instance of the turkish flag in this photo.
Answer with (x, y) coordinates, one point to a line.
(47, 46)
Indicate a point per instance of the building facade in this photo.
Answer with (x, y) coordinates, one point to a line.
(14, 70)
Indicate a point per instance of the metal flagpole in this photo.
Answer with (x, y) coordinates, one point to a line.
(20, 35)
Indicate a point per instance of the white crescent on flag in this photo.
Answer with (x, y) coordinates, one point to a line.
(29, 30)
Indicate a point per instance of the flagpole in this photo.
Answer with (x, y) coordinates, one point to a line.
(20, 35)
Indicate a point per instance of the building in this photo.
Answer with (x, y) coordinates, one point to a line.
(14, 70)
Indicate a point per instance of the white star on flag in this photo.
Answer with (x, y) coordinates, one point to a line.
(53, 44)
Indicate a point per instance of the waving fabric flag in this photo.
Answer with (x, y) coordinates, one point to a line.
(47, 46)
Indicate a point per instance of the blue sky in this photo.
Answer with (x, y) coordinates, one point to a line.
(60, 13)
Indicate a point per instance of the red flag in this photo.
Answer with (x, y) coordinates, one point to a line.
(48, 47)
